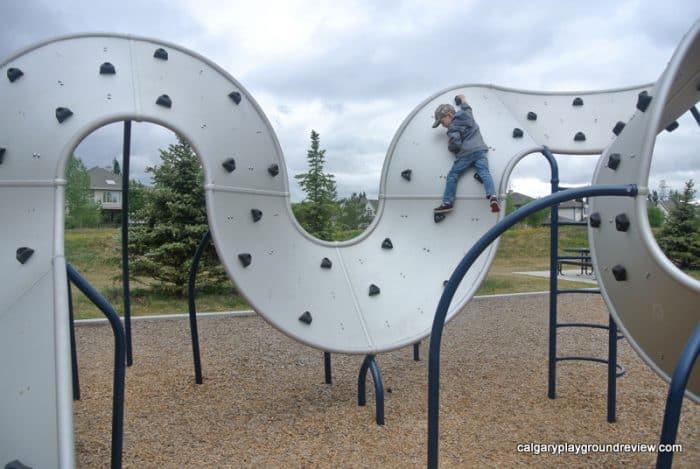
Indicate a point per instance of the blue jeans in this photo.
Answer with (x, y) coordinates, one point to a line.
(479, 161)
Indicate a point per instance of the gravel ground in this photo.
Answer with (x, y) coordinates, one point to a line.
(264, 402)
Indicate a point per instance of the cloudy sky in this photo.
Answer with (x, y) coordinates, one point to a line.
(336, 66)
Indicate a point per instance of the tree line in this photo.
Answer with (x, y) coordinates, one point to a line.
(168, 219)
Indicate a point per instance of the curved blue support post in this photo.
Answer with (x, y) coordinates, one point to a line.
(370, 363)
(192, 307)
(119, 361)
(674, 401)
(461, 270)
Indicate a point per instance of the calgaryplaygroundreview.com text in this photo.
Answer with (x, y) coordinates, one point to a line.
(588, 448)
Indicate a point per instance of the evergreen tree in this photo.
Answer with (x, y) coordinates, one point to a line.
(138, 193)
(82, 211)
(679, 238)
(116, 169)
(354, 214)
(317, 211)
(172, 223)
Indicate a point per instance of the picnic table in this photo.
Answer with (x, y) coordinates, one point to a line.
(582, 259)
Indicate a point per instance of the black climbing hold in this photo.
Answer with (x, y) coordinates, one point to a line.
(326, 263)
(622, 222)
(643, 101)
(617, 130)
(273, 169)
(63, 113)
(444, 283)
(374, 290)
(595, 220)
(229, 165)
(107, 69)
(531, 116)
(164, 100)
(672, 126)
(235, 96)
(387, 244)
(614, 161)
(580, 137)
(245, 259)
(16, 464)
(478, 178)
(2, 155)
(13, 74)
(438, 217)
(406, 174)
(161, 54)
(257, 214)
(620, 273)
(577, 102)
(306, 318)
(23, 254)
(517, 133)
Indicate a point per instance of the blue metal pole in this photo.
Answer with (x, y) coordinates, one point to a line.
(327, 367)
(73, 351)
(553, 276)
(612, 369)
(193, 308)
(674, 401)
(459, 273)
(126, 156)
(119, 361)
(696, 114)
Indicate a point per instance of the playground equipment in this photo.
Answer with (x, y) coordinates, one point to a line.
(368, 295)
(654, 303)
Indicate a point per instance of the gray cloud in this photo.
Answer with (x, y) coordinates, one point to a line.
(356, 82)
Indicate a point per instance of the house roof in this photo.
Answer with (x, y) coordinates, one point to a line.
(104, 179)
(576, 203)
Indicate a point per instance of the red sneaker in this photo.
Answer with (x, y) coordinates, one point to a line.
(493, 201)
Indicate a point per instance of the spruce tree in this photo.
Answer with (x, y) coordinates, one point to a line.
(680, 236)
(317, 211)
(172, 223)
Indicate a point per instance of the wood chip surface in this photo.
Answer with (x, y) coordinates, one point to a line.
(264, 402)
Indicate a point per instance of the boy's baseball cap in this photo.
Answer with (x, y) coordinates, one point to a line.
(441, 111)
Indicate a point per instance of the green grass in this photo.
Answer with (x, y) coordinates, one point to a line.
(95, 253)
(527, 249)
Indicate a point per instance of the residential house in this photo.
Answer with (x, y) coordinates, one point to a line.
(372, 206)
(573, 210)
(106, 190)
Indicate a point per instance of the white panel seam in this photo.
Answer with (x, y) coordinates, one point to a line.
(355, 301)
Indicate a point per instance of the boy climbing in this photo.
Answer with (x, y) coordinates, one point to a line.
(465, 141)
